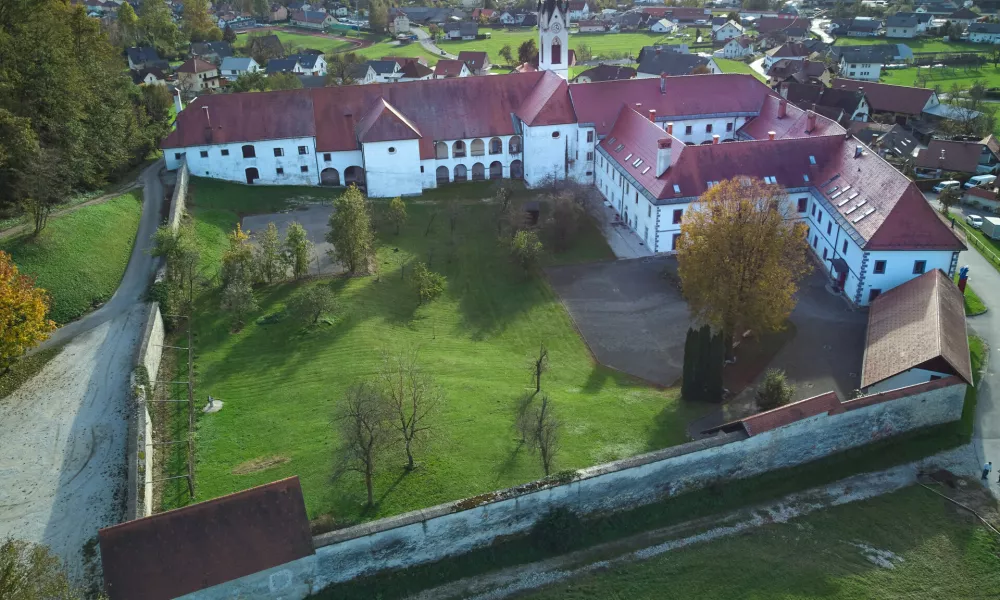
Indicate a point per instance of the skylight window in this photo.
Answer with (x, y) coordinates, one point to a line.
(611, 141)
(853, 195)
(812, 160)
(645, 170)
(637, 163)
(863, 215)
(629, 157)
(677, 189)
(770, 179)
(619, 148)
(836, 194)
(833, 189)
(805, 178)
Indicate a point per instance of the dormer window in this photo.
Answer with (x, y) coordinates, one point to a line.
(812, 160)
(677, 189)
(646, 170)
(620, 147)
(629, 157)
(805, 178)
(637, 163)
(770, 179)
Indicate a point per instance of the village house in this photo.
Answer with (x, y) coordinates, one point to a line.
(412, 69)
(234, 66)
(310, 64)
(477, 62)
(663, 26)
(787, 51)
(736, 48)
(783, 30)
(197, 75)
(312, 19)
(889, 140)
(461, 31)
(856, 27)
(650, 146)
(658, 60)
(277, 12)
(798, 71)
(579, 10)
(950, 156)
(594, 26)
(730, 30)
(362, 74)
(605, 73)
(984, 33)
(923, 19)
(904, 26)
(148, 76)
(283, 65)
(861, 64)
(899, 103)
(213, 52)
(964, 16)
(448, 69)
(841, 105)
(399, 25)
(143, 56)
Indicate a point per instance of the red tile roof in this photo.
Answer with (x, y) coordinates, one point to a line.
(383, 123)
(950, 156)
(883, 97)
(789, 413)
(686, 95)
(445, 109)
(449, 68)
(405, 60)
(475, 60)
(192, 548)
(919, 324)
(889, 213)
(548, 103)
(795, 123)
(196, 65)
(767, 25)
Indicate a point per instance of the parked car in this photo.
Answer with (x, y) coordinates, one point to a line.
(974, 220)
(945, 185)
(979, 181)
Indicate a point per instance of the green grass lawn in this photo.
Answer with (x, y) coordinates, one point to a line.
(734, 66)
(302, 40)
(602, 45)
(280, 383)
(80, 257)
(926, 44)
(942, 77)
(942, 553)
(974, 305)
(392, 48)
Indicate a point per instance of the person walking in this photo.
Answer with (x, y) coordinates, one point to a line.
(986, 470)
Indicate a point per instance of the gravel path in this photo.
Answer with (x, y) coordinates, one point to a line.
(63, 434)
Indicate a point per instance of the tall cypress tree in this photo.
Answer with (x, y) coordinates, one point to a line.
(714, 365)
(688, 376)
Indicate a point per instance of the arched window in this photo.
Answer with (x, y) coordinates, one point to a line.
(478, 147)
(458, 149)
(248, 151)
(514, 145)
(461, 173)
(441, 150)
(442, 174)
(516, 170)
(496, 170)
(556, 54)
(496, 146)
(252, 174)
(478, 172)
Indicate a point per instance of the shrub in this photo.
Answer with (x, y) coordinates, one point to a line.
(775, 390)
(557, 531)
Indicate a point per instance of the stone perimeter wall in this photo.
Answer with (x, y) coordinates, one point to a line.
(455, 528)
(139, 453)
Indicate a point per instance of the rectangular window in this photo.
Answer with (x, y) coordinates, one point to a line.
(673, 243)
(708, 128)
(813, 212)
(326, 156)
(729, 126)
(590, 136)
(803, 203)
(649, 210)
(815, 240)
(678, 214)
(819, 219)
(178, 155)
(280, 171)
(590, 156)
(225, 152)
(303, 150)
(919, 266)
(304, 169)
(204, 153)
(879, 267)
(844, 251)
(824, 253)
(687, 130)
(279, 151)
(829, 226)
(873, 293)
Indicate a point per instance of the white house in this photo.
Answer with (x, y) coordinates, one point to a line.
(787, 51)
(451, 68)
(342, 11)
(861, 64)
(984, 33)
(461, 31)
(363, 74)
(312, 19)
(663, 26)
(728, 31)
(196, 75)
(898, 26)
(310, 64)
(578, 10)
(590, 26)
(234, 66)
(736, 48)
(399, 25)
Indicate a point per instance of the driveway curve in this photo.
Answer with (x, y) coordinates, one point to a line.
(63, 435)
(429, 45)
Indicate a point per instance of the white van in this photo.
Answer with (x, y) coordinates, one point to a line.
(951, 183)
(980, 181)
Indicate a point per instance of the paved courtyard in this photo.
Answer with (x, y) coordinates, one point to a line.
(632, 318)
(315, 219)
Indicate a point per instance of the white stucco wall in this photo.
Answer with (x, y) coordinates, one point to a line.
(392, 168)
(546, 157)
(505, 158)
(339, 161)
(233, 167)
(905, 379)
(899, 268)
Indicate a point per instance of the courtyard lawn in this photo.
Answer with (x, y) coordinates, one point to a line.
(925, 44)
(280, 382)
(80, 257)
(933, 549)
(943, 77)
(735, 66)
(974, 305)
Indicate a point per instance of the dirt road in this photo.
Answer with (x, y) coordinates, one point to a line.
(63, 434)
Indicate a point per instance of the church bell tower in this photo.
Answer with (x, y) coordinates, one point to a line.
(553, 37)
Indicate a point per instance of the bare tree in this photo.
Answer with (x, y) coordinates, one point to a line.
(545, 434)
(411, 395)
(539, 365)
(363, 420)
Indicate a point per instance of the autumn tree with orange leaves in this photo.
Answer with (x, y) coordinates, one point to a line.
(22, 313)
(740, 259)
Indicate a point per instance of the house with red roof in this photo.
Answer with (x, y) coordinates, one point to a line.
(740, 47)
(477, 62)
(447, 69)
(197, 75)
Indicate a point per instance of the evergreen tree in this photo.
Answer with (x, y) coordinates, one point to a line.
(688, 376)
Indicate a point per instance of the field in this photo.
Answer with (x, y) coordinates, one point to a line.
(937, 551)
(918, 45)
(280, 382)
(303, 40)
(734, 66)
(80, 257)
(392, 48)
(944, 77)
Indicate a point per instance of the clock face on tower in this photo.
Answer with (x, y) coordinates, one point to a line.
(556, 27)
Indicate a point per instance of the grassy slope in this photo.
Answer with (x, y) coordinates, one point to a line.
(326, 44)
(946, 555)
(280, 383)
(80, 257)
(944, 77)
(734, 66)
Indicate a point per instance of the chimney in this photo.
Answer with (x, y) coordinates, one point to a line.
(715, 139)
(652, 115)
(208, 119)
(770, 135)
(858, 151)
(670, 128)
(662, 156)
(810, 121)
(178, 105)
(782, 108)
(663, 83)
(638, 107)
